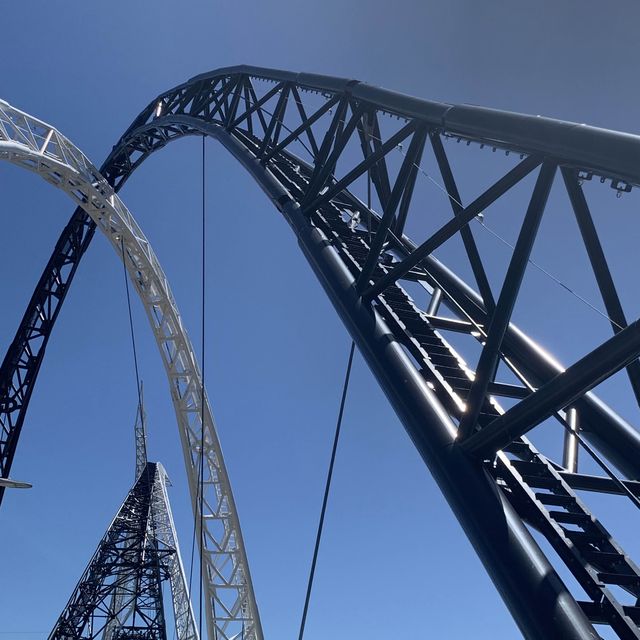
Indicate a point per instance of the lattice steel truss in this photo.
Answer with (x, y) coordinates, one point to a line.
(494, 479)
(34, 145)
(120, 596)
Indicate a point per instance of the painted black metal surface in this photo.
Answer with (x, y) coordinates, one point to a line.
(123, 580)
(23, 358)
(363, 261)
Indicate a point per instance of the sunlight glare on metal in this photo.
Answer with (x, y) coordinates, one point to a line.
(8, 483)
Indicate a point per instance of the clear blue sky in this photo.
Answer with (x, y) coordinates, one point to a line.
(394, 562)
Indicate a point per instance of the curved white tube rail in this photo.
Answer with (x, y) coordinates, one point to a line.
(229, 597)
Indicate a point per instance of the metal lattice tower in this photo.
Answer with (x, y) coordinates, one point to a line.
(120, 594)
(140, 430)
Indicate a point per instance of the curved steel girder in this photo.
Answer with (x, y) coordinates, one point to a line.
(168, 116)
(535, 595)
(211, 101)
(20, 366)
(612, 154)
(588, 149)
(497, 532)
(227, 584)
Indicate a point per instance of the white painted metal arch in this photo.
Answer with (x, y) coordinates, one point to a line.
(230, 601)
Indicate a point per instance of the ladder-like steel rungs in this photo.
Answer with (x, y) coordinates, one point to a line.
(528, 479)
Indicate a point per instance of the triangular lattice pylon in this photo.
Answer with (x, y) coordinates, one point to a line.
(120, 596)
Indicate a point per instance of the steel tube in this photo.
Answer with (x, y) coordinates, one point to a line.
(609, 153)
(560, 392)
(599, 484)
(538, 600)
(570, 448)
(434, 303)
(499, 319)
(536, 597)
(601, 425)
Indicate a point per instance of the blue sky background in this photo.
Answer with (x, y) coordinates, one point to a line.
(394, 561)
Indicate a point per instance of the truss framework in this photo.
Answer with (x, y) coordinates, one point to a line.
(227, 582)
(119, 595)
(363, 260)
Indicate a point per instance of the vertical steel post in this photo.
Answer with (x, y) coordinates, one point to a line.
(434, 304)
(570, 451)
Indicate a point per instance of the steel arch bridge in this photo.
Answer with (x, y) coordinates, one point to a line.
(497, 483)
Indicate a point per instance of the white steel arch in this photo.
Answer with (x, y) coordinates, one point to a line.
(30, 143)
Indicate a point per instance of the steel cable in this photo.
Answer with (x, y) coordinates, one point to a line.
(133, 335)
(202, 390)
(325, 498)
(198, 521)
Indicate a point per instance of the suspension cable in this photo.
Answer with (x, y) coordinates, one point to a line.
(133, 335)
(325, 498)
(202, 389)
(198, 520)
(193, 538)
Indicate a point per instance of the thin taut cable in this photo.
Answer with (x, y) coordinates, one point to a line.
(496, 235)
(326, 493)
(368, 189)
(202, 392)
(193, 538)
(131, 329)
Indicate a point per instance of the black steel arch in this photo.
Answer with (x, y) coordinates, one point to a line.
(361, 257)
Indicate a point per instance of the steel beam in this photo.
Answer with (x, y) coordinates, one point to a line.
(304, 118)
(276, 119)
(257, 105)
(24, 357)
(562, 391)
(415, 150)
(570, 449)
(577, 145)
(598, 484)
(533, 592)
(361, 168)
(305, 127)
(603, 427)
(485, 371)
(452, 227)
(468, 240)
(600, 267)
